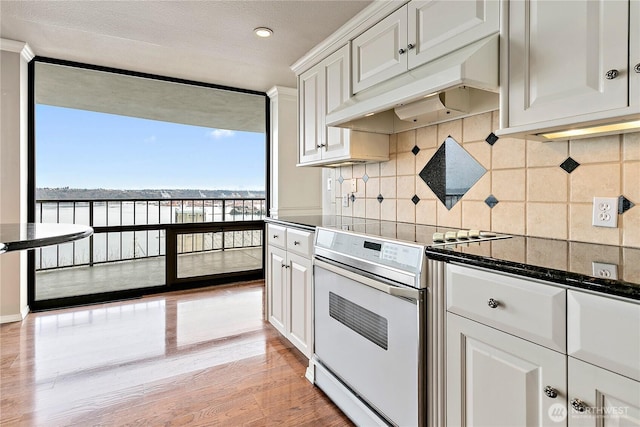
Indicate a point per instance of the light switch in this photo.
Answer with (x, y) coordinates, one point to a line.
(354, 185)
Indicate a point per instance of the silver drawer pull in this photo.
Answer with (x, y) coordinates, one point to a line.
(275, 236)
(578, 405)
(295, 243)
(612, 74)
(493, 303)
(550, 392)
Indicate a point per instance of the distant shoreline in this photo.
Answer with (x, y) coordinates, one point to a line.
(102, 193)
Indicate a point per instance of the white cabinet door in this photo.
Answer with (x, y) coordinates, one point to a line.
(299, 288)
(311, 118)
(607, 399)
(337, 89)
(559, 55)
(497, 379)
(276, 287)
(380, 52)
(438, 27)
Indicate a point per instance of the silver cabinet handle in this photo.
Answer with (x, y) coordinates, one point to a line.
(295, 243)
(321, 145)
(411, 46)
(282, 265)
(578, 405)
(637, 68)
(550, 392)
(611, 74)
(402, 51)
(275, 236)
(287, 266)
(493, 303)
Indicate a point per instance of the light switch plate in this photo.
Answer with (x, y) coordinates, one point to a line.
(354, 185)
(345, 201)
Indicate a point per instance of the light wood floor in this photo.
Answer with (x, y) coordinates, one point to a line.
(201, 358)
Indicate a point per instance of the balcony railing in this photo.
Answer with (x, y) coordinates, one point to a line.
(127, 229)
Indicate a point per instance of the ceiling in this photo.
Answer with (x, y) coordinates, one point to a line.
(209, 41)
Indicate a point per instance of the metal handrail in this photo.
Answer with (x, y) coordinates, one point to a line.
(182, 211)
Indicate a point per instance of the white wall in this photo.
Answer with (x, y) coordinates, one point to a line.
(14, 57)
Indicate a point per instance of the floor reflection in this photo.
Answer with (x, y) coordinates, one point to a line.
(201, 357)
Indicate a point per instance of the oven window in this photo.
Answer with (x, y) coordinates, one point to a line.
(362, 321)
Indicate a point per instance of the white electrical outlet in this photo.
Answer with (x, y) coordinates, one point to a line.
(354, 185)
(605, 270)
(345, 201)
(329, 184)
(605, 212)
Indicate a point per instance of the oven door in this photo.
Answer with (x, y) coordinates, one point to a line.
(368, 334)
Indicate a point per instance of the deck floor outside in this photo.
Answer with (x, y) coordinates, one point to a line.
(140, 273)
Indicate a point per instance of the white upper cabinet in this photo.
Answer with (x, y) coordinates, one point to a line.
(380, 52)
(570, 62)
(322, 89)
(436, 28)
(311, 123)
(417, 33)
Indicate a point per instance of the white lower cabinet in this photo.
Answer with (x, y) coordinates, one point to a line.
(505, 363)
(497, 379)
(289, 285)
(598, 397)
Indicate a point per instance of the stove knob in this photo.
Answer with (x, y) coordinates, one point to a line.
(438, 237)
(463, 234)
(474, 234)
(487, 234)
(451, 235)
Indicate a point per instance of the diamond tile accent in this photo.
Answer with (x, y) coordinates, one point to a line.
(415, 199)
(491, 201)
(569, 165)
(451, 172)
(624, 204)
(340, 179)
(380, 198)
(365, 177)
(415, 150)
(492, 138)
(353, 198)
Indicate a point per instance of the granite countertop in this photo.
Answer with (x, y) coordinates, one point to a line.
(612, 270)
(14, 237)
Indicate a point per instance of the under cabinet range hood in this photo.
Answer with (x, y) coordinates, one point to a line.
(459, 84)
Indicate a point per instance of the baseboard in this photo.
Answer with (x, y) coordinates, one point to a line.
(310, 373)
(11, 318)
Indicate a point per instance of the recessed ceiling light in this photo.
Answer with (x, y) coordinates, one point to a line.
(263, 32)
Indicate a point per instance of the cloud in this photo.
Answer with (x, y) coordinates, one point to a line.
(221, 133)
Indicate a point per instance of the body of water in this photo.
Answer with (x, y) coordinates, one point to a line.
(141, 244)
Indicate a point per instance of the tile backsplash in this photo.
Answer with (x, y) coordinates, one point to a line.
(542, 189)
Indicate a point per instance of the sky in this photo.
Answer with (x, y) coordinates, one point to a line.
(84, 149)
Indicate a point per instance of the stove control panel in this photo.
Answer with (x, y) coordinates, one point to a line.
(400, 255)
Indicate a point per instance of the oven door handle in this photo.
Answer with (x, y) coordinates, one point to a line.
(395, 291)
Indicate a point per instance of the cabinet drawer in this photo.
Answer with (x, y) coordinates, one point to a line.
(604, 332)
(527, 309)
(300, 242)
(276, 235)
